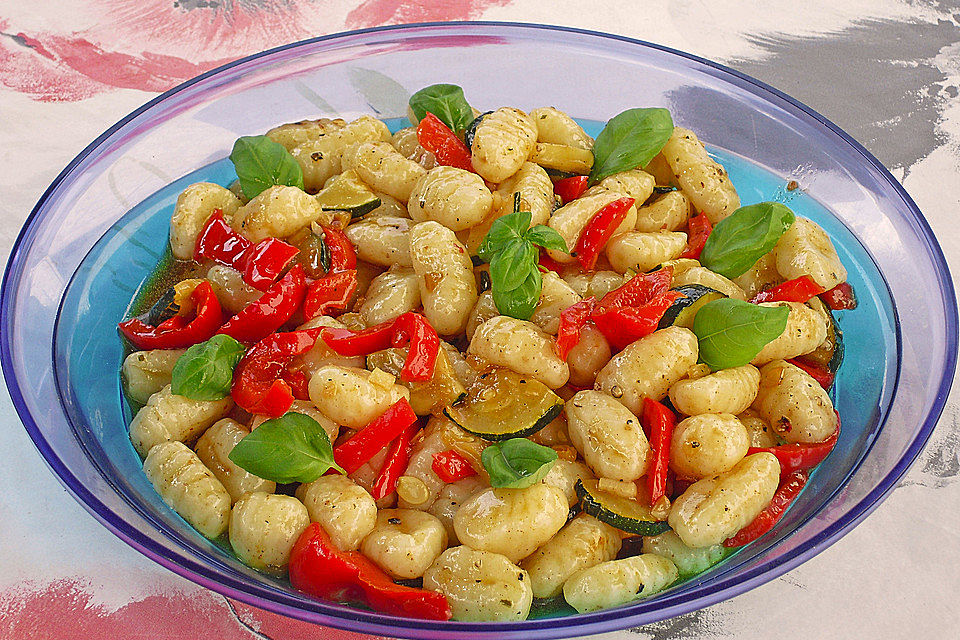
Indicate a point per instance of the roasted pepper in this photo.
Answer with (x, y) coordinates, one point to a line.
(569, 189)
(698, 230)
(367, 442)
(789, 489)
(600, 228)
(797, 290)
(801, 455)
(410, 328)
(178, 332)
(259, 384)
(840, 298)
(396, 463)
(572, 321)
(451, 466)
(267, 313)
(331, 292)
(658, 421)
(437, 138)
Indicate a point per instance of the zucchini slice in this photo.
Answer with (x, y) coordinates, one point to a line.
(830, 353)
(503, 404)
(560, 157)
(347, 192)
(430, 396)
(683, 310)
(471, 130)
(620, 513)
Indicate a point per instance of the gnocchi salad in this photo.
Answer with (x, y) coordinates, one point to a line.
(484, 362)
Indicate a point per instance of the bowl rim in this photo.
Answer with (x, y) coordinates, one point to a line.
(362, 621)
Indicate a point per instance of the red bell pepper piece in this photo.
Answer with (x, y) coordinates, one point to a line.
(265, 261)
(177, 332)
(367, 442)
(267, 313)
(299, 383)
(321, 570)
(640, 289)
(788, 490)
(395, 464)
(413, 329)
(332, 292)
(698, 230)
(437, 138)
(840, 298)
(259, 384)
(219, 242)
(572, 321)
(549, 263)
(658, 421)
(343, 257)
(410, 328)
(624, 325)
(451, 466)
(821, 374)
(801, 455)
(569, 189)
(797, 290)
(600, 228)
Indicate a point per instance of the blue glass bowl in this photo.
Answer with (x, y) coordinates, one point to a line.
(99, 229)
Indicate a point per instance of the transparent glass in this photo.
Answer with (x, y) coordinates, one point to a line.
(88, 245)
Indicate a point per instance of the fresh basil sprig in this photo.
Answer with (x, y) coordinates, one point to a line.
(629, 140)
(517, 463)
(742, 238)
(732, 332)
(511, 249)
(205, 370)
(291, 448)
(262, 163)
(445, 101)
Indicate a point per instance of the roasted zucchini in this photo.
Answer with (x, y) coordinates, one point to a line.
(618, 512)
(428, 397)
(684, 309)
(347, 192)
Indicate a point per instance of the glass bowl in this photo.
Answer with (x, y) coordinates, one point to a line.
(99, 228)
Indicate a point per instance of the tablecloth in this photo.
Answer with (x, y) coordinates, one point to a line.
(887, 71)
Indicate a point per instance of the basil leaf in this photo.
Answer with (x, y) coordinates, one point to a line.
(732, 332)
(205, 370)
(520, 302)
(504, 230)
(629, 140)
(738, 241)
(261, 163)
(291, 448)
(510, 267)
(546, 237)
(517, 463)
(445, 101)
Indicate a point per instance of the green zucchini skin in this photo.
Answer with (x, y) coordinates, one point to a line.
(471, 131)
(692, 293)
(837, 358)
(594, 506)
(523, 432)
(560, 175)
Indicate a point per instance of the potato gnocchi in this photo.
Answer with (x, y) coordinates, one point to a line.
(497, 453)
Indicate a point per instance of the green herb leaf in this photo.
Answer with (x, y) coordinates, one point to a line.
(517, 463)
(520, 302)
(546, 237)
(445, 101)
(261, 163)
(732, 332)
(510, 267)
(629, 140)
(738, 241)
(291, 448)
(503, 232)
(205, 371)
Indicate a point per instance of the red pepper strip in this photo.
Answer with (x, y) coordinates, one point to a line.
(220, 243)
(840, 298)
(258, 381)
(821, 374)
(600, 228)
(332, 292)
(424, 343)
(346, 342)
(640, 289)
(802, 455)
(367, 442)
(797, 290)
(548, 263)
(267, 313)
(698, 230)
(319, 569)
(659, 421)
(624, 325)
(395, 464)
(451, 466)
(437, 138)
(177, 332)
(343, 257)
(265, 261)
(299, 383)
(788, 490)
(569, 189)
(572, 321)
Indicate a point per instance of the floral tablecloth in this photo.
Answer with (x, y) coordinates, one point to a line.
(887, 71)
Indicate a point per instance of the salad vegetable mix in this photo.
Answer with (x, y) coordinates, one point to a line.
(447, 372)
